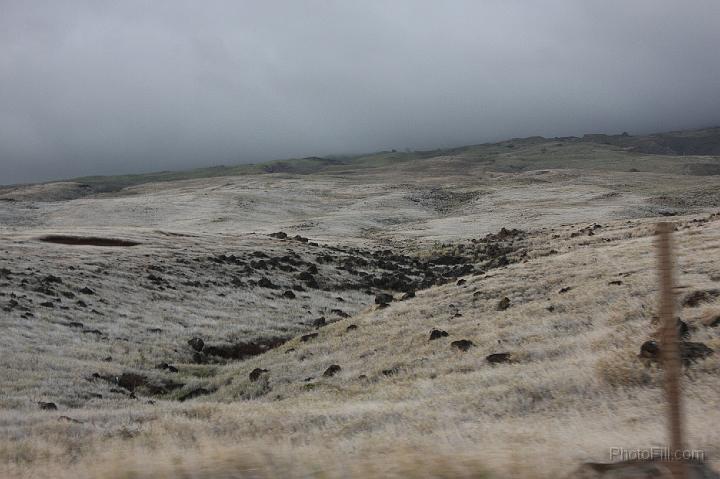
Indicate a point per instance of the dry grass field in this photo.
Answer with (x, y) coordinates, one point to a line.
(533, 367)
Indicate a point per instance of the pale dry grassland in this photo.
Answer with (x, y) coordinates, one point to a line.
(401, 406)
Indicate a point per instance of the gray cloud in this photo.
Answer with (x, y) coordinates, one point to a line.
(99, 87)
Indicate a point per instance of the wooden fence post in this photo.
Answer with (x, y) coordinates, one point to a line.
(670, 348)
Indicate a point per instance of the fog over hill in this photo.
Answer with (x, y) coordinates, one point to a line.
(115, 87)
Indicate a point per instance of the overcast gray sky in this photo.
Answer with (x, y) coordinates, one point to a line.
(101, 87)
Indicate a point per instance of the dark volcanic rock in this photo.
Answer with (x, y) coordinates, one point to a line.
(131, 381)
(319, 322)
(87, 290)
(265, 283)
(332, 371)
(650, 350)
(498, 358)
(383, 298)
(197, 344)
(256, 373)
(690, 352)
(503, 304)
(437, 334)
(462, 344)
(167, 367)
(307, 337)
(683, 329)
(352, 327)
(47, 406)
(305, 276)
(695, 298)
(289, 294)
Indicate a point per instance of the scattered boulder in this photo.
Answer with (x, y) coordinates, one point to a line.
(650, 350)
(437, 334)
(498, 358)
(503, 304)
(131, 381)
(265, 283)
(319, 322)
(87, 290)
(197, 344)
(616, 282)
(383, 298)
(305, 276)
(460, 282)
(683, 329)
(47, 406)
(462, 344)
(167, 367)
(340, 313)
(352, 327)
(565, 289)
(695, 298)
(408, 295)
(690, 352)
(307, 337)
(289, 294)
(256, 373)
(279, 235)
(332, 371)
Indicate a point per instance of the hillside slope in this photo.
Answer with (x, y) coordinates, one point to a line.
(689, 152)
(402, 405)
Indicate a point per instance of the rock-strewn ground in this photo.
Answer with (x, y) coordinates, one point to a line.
(401, 322)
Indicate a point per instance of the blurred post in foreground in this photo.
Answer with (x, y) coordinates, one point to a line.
(670, 348)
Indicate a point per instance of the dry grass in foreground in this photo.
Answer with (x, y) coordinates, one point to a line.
(402, 405)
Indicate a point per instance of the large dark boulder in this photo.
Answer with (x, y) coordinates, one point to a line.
(332, 371)
(256, 373)
(437, 334)
(462, 344)
(383, 298)
(197, 344)
(503, 304)
(498, 358)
